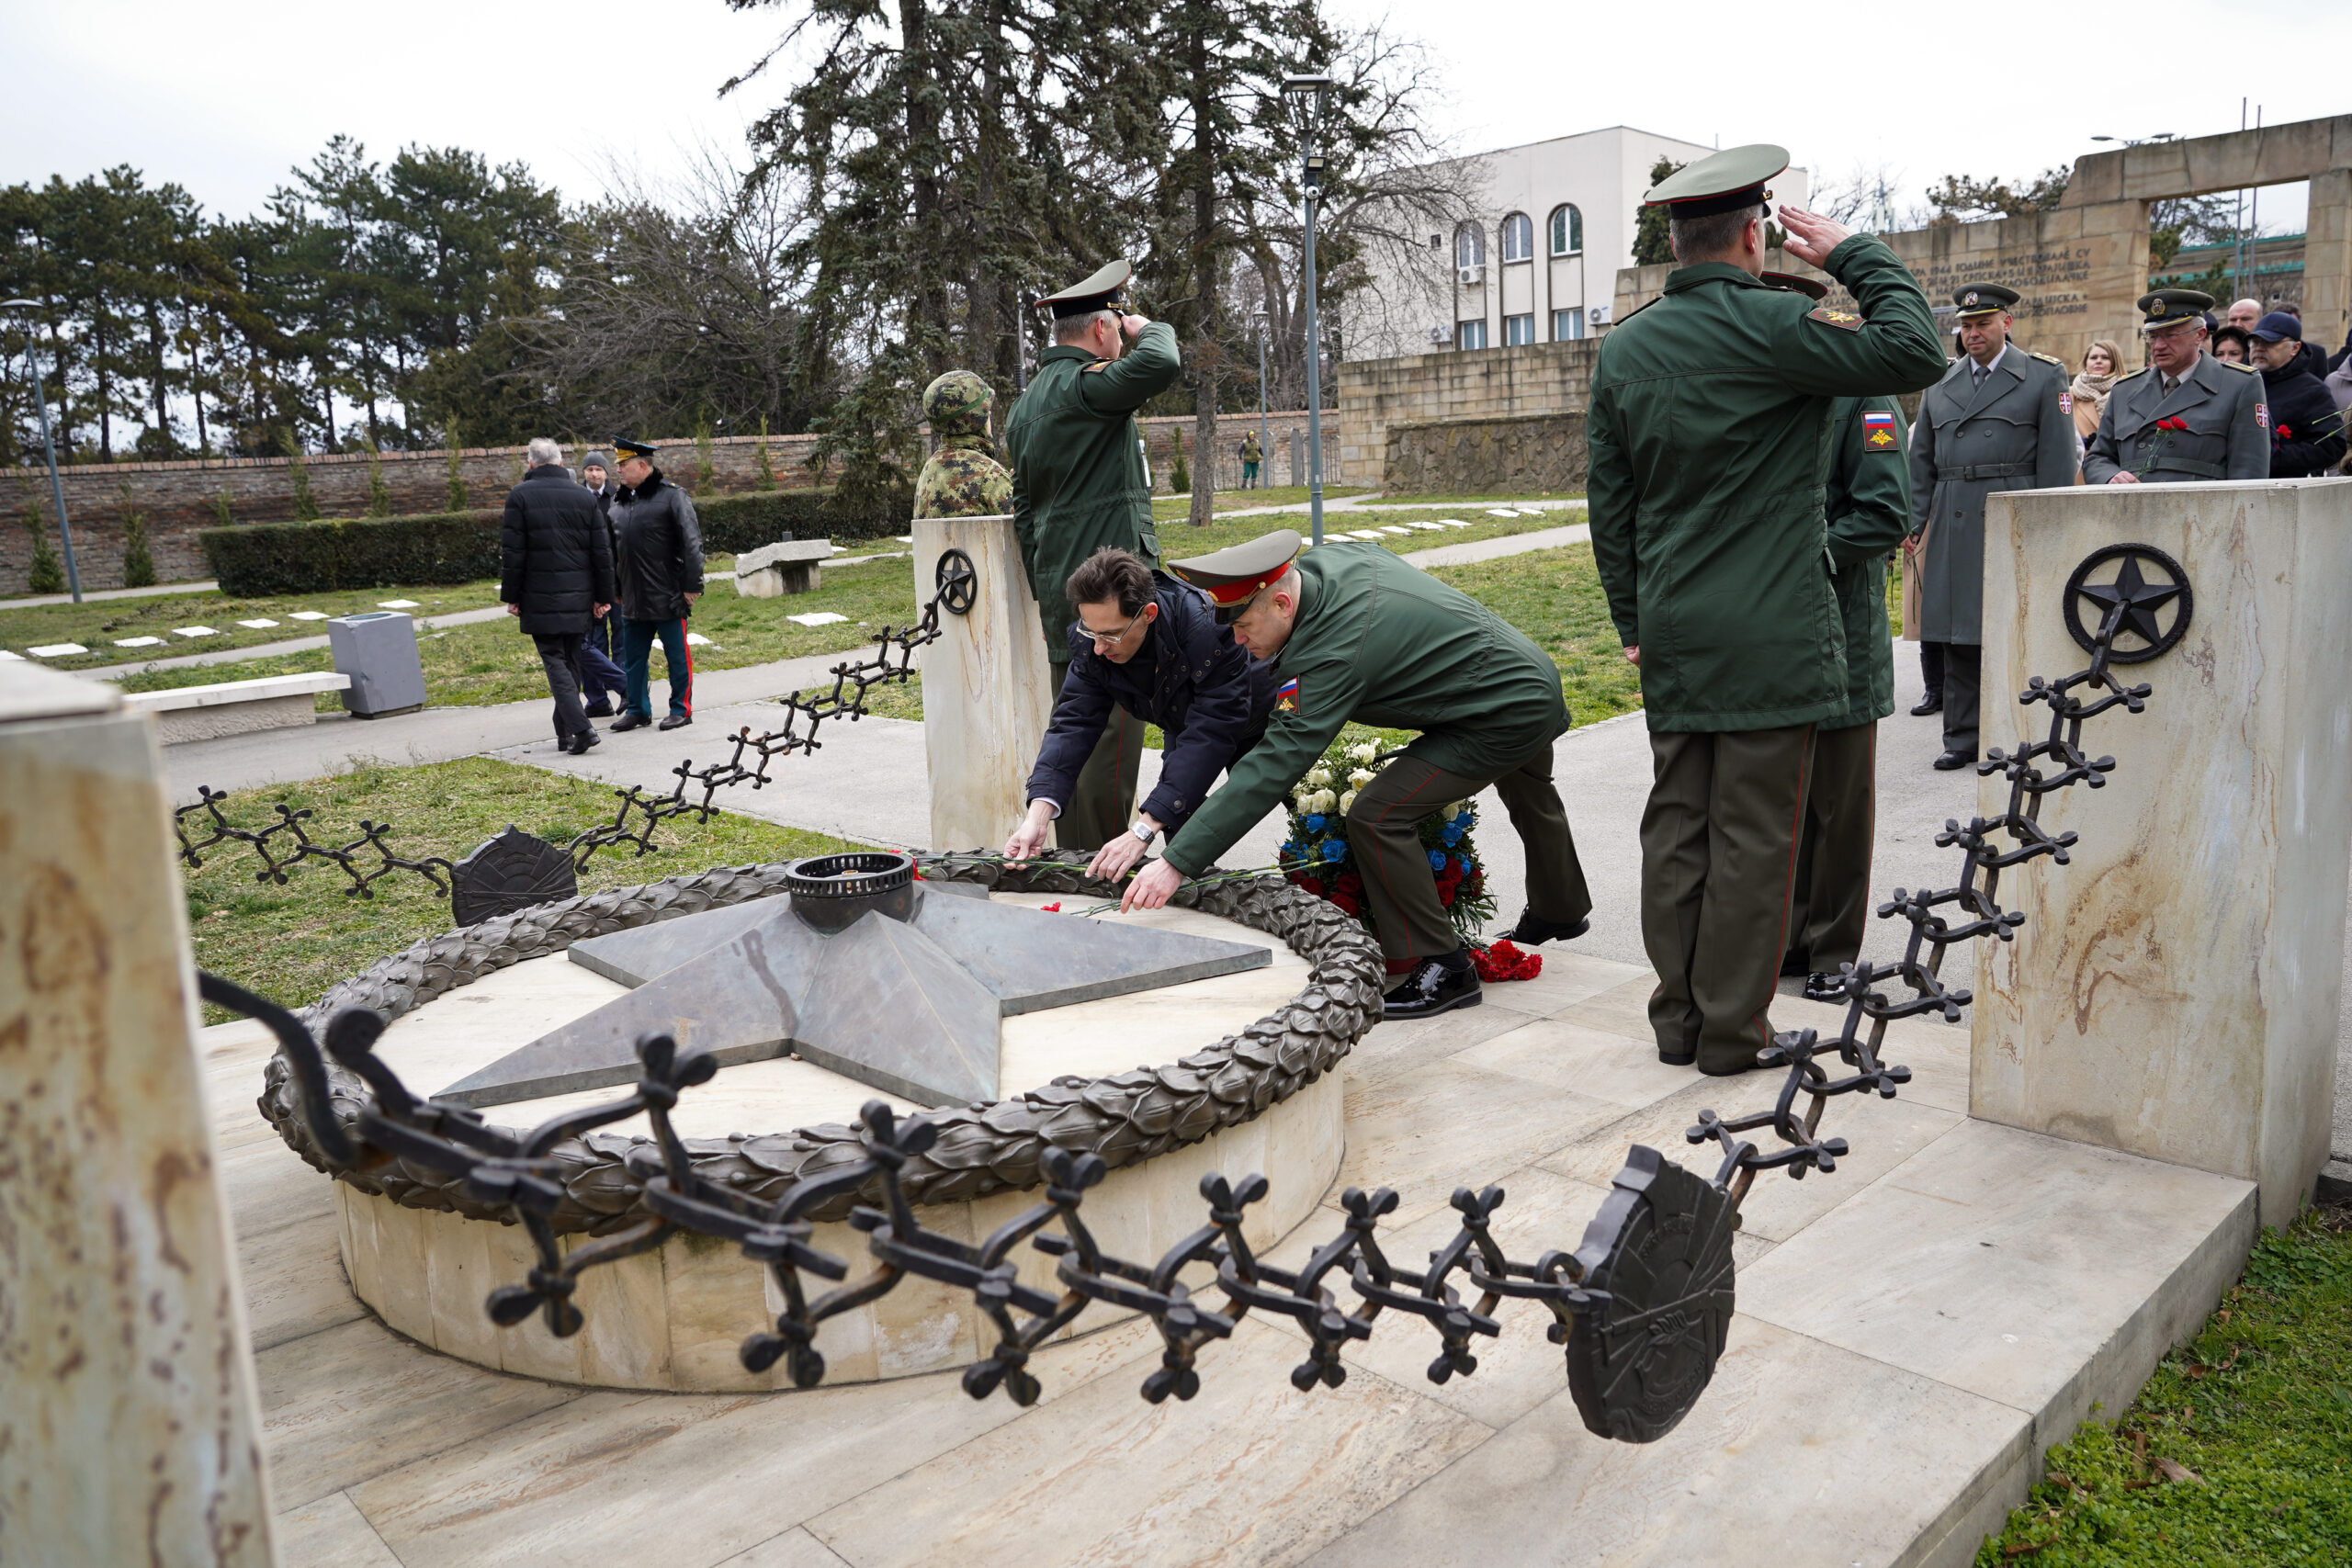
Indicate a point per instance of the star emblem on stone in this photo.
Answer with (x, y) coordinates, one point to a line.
(2137, 597)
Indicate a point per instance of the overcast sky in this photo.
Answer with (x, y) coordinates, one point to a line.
(224, 107)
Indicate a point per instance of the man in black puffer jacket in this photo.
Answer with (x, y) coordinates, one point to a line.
(1146, 649)
(2306, 430)
(556, 575)
(660, 558)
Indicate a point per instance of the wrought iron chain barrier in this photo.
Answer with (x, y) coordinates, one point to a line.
(639, 813)
(1641, 1307)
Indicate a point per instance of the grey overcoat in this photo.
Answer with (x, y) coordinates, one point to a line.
(2228, 435)
(2016, 432)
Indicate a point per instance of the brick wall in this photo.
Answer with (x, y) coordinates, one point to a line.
(1522, 455)
(1476, 384)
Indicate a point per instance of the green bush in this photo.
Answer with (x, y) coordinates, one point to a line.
(261, 558)
(44, 574)
(264, 558)
(138, 559)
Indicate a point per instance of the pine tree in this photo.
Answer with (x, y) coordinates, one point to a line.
(457, 470)
(44, 575)
(379, 494)
(138, 560)
(220, 509)
(1652, 245)
(306, 504)
(1179, 479)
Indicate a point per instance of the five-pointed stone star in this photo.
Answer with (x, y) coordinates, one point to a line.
(2139, 599)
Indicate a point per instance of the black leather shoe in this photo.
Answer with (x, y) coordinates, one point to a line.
(1932, 703)
(1794, 964)
(1533, 930)
(579, 744)
(1823, 987)
(1679, 1059)
(601, 710)
(1430, 988)
(1952, 760)
(631, 721)
(671, 721)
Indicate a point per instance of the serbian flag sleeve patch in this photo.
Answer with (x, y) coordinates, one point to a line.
(1286, 696)
(1878, 431)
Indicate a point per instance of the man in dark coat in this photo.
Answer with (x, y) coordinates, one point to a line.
(659, 557)
(600, 672)
(2306, 431)
(2001, 419)
(2189, 416)
(555, 574)
(1146, 649)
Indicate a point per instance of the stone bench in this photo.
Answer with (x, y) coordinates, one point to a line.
(792, 566)
(234, 707)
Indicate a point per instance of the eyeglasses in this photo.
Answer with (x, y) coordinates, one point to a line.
(1108, 640)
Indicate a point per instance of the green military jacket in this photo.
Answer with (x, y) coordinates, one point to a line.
(1867, 507)
(2222, 405)
(1381, 642)
(2016, 432)
(1708, 433)
(1081, 478)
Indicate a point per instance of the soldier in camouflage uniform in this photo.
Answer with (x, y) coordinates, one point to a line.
(962, 478)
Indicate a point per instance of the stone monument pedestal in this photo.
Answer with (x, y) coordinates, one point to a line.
(2174, 991)
(984, 684)
(128, 1431)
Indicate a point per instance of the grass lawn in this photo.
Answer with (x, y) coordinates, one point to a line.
(98, 623)
(1477, 500)
(1554, 597)
(1166, 507)
(1180, 540)
(290, 942)
(491, 662)
(2238, 1450)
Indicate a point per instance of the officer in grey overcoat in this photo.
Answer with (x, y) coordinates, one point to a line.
(2000, 419)
(2187, 416)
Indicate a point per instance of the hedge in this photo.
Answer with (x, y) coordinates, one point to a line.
(261, 558)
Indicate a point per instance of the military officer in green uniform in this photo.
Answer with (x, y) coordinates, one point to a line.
(1868, 508)
(1708, 429)
(1355, 633)
(2187, 416)
(2000, 419)
(1081, 482)
(962, 478)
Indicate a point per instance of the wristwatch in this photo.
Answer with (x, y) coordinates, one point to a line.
(1144, 831)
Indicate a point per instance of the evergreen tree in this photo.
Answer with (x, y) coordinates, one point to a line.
(138, 560)
(1652, 243)
(44, 575)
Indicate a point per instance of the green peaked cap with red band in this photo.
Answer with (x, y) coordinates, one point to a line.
(1233, 577)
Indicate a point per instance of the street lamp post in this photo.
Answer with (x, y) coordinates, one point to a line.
(1312, 166)
(1265, 442)
(48, 448)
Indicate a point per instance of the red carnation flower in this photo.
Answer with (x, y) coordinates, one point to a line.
(2285, 433)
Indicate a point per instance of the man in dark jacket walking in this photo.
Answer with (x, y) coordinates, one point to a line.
(2306, 430)
(556, 575)
(601, 680)
(1152, 646)
(659, 554)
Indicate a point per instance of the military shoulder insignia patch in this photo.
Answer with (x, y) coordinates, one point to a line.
(2243, 370)
(2047, 358)
(1878, 430)
(1094, 369)
(2066, 403)
(2262, 415)
(1830, 317)
(1286, 696)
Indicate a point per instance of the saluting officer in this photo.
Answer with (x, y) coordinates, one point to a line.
(1709, 420)
(2187, 416)
(2000, 419)
(1868, 509)
(1081, 482)
(1356, 633)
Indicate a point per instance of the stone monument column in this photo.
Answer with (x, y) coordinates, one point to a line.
(984, 682)
(129, 1430)
(2174, 990)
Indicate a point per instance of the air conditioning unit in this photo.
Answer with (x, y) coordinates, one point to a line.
(1439, 334)
(1473, 276)
(1598, 315)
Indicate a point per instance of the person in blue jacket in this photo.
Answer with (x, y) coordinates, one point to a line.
(1145, 649)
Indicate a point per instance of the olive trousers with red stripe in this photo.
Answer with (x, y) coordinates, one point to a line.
(1399, 889)
(1719, 840)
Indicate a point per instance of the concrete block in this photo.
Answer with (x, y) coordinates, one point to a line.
(2173, 990)
(789, 566)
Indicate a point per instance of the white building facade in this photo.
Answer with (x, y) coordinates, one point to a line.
(1539, 262)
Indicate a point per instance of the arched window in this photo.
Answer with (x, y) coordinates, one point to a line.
(1519, 238)
(1469, 246)
(1567, 231)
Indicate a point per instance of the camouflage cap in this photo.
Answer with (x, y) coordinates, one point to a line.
(958, 404)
